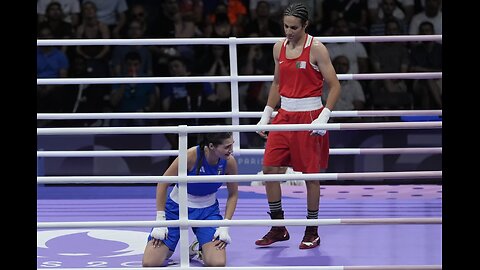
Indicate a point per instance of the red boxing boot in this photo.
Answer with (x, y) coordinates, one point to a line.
(310, 239)
(276, 233)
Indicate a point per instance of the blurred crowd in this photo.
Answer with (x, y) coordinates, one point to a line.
(135, 19)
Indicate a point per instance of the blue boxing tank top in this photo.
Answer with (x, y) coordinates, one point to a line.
(202, 189)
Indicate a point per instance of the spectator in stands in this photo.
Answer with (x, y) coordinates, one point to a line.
(70, 8)
(354, 12)
(135, 31)
(432, 13)
(276, 8)
(352, 97)
(185, 97)
(96, 55)
(402, 10)
(387, 8)
(133, 97)
(90, 98)
(390, 57)
(170, 24)
(194, 10)
(113, 14)
(54, 20)
(356, 52)
(426, 56)
(51, 63)
(235, 13)
(262, 24)
(216, 63)
(97, 59)
(139, 12)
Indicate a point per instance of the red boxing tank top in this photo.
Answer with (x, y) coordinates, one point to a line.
(298, 78)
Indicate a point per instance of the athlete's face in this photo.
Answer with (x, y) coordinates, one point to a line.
(224, 150)
(293, 28)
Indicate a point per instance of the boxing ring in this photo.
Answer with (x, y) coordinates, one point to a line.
(105, 227)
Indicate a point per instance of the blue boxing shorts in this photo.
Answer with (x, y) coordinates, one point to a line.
(203, 234)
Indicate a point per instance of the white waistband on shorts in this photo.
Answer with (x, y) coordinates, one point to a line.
(301, 104)
(195, 201)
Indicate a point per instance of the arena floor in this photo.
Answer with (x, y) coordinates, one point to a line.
(341, 245)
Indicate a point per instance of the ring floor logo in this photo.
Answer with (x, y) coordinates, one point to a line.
(90, 248)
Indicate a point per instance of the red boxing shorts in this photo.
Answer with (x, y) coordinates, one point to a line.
(297, 149)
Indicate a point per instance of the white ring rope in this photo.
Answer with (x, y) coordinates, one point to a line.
(115, 153)
(230, 40)
(237, 78)
(189, 115)
(357, 267)
(163, 153)
(255, 222)
(361, 151)
(235, 178)
(242, 128)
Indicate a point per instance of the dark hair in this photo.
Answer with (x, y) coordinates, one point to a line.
(298, 10)
(51, 4)
(221, 18)
(426, 23)
(133, 56)
(177, 58)
(263, 3)
(213, 138)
